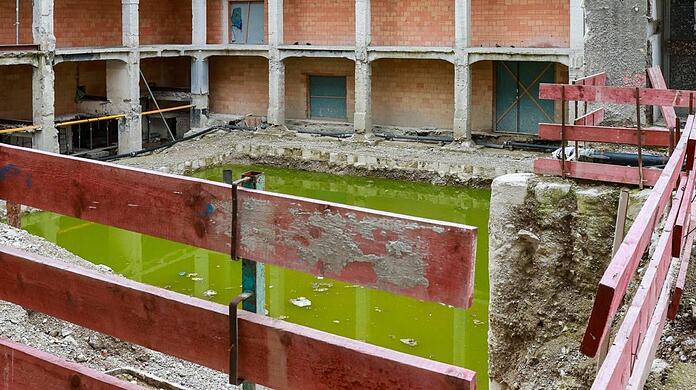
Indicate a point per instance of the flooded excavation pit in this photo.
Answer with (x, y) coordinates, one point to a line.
(425, 329)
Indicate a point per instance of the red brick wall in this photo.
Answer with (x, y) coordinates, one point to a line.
(214, 20)
(171, 72)
(239, 85)
(66, 88)
(482, 96)
(297, 71)
(413, 93)
(88, 23)
(521, 23)
(92, 75)
(8, 18)
(15, 92)
(165, 22)
(328, 22)
(413, 23)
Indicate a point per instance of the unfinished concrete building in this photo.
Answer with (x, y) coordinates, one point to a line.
(463, 66)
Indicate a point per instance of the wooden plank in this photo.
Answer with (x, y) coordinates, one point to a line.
(14, 214)
(616, 369)
(421, 258)
(644, 360)
(25, 368)
(614, 282)
(592, 118)
(273, 353)
(611, 135)
(658, 81)
(596, 172)
(678, 292)
(598, 79)
(680, 226)
(616, 95)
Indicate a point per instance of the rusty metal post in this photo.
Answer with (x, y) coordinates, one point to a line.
(640, 140)
(14, 214)
(575, 118)
(564, 108)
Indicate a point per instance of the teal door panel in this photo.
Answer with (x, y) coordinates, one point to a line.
(327, 97)
(518, 107)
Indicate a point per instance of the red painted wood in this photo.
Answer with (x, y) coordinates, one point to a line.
(681, 224)
(616, 95)
(658, 81)
(25, 368)
(678, 292)
(596, 172)
(612, 135)
(592, 118)
(617, 367)
(273, 353)
(599, 79)
(614, 282)
(421, 258)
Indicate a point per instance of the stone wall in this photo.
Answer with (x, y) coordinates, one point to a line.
(550, 241)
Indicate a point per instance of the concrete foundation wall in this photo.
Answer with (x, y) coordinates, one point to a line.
(8, 18)
(329, 22)
(173, 72)
(413, 23)
(227, 74)
(15, 92)
(165, 22)
(413, 93)
(83, 23)
(550, 241)
(520, 23)
(482, 95)
(297, 72)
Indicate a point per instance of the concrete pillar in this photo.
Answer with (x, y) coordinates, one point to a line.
(199, 23)
(362, 119)
(276, 66)
(199, 92)
(43, 103)
(577, 39)
(43, 78)
(462, 71)
(462, 98)
(123, 93)
(42, 25)
(130, 18)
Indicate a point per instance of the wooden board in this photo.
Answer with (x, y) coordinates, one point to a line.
(658, 81)
(273, 353)
(617, 367)
(595, 79)
(592, 118)
(597, 172)
(421, 258)
(678, 292)
(617, 95)
(25, 368)
(614, 282)
(681, 224)
(611, 135)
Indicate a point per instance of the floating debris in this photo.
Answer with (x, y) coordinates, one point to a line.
(320, 277)
(283, 318)
(210, 293)
(336, 321)
(321, 287)
(409, 342)
(192, 274)
(478, 322)
(378, 310)
(196, 279)
(182, 273)
(301, 302)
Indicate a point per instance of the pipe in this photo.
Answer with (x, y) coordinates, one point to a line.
(327, 134)
(19, 129)
(90, 120)
(178, 108)
(615, 158)
(155, 148)
(17, 20)
(415, 138)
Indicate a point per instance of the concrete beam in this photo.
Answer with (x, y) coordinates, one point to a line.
(42, 25)
(199, 23)
(130, 18)
(123, 92)
(362, 118)
(43, 81)
(199, 92)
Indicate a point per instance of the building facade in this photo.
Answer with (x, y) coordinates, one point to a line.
(466, 66)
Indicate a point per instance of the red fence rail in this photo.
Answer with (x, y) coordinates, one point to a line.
(412, 256)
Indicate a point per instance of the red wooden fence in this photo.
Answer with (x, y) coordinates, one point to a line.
(413, 256)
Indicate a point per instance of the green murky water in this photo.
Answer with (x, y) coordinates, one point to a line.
(442, 333)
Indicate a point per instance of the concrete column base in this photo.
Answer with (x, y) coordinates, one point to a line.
(199, 113)
(362, 119)
(43, 81)
(462, 99)
(276, 92)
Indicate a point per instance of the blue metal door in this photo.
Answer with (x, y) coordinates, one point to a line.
(327, 97)
(517, 104)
